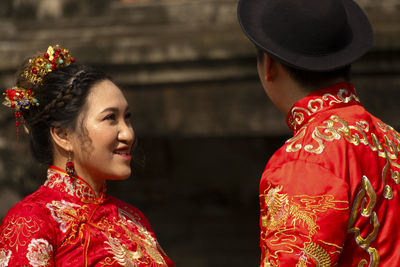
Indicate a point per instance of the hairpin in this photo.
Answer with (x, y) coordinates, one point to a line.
(53, 59)
(20, 98)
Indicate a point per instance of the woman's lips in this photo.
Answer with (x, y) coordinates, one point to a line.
(123, 153)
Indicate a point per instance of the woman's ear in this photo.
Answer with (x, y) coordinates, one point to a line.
(61, 137)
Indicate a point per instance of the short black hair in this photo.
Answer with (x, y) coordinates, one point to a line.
(317, 80)
(312, 80)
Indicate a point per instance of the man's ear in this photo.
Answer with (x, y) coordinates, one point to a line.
(270, 68)
(61, 137)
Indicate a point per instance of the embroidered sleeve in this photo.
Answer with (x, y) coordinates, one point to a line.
(25, 239)
(304, 214)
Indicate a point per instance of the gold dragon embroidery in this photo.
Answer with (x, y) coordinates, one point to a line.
(284, 213)
(147, 249)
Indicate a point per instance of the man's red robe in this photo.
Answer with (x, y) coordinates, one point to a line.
(329, 196)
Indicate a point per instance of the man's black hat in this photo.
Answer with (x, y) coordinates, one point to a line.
(314, 35)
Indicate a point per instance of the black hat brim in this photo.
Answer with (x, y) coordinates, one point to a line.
(250, 19)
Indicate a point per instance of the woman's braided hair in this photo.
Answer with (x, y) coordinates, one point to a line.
(62, 96)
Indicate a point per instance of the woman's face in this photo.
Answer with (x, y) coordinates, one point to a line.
(102, 143)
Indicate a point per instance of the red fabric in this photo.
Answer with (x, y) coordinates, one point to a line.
(329, 196)
(65, 224)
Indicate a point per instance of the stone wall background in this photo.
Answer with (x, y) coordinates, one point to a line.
(205, 126)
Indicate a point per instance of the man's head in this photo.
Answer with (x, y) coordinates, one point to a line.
(286, 85)
(311, 80)
(304, 45)
(310, 35)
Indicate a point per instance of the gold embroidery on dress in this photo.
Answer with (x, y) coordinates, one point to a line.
(21, 227)
(284, 214)
(64, 213)
(147, 249)
(73, 187)
(365, 202)
(122, 255)
(144, 239)
(108, 262)
(73, 218)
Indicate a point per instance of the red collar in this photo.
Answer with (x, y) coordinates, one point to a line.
(59, 179)
(337, 95)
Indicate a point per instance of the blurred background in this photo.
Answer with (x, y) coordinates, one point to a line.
(205, 127)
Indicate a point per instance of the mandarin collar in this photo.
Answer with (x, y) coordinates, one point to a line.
(337, 95)
(58, 179)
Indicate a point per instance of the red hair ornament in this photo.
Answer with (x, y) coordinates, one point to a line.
(20, 98)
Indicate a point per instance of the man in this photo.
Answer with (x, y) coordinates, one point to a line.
(329, 196)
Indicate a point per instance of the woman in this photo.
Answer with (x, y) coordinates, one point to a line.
(79, 126)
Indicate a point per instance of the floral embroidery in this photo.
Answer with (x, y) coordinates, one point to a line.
(39, 253)
(57, 178)
(4, 257)
(73, 218)
(284, 213)
(64, 213)
(96, 229)
(18, 230)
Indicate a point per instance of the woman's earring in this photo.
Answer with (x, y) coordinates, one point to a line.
(70, 166)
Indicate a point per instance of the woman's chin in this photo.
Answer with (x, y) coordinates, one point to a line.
(120, 175)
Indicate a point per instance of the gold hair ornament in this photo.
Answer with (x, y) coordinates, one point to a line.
(55, 58)
(20, 98)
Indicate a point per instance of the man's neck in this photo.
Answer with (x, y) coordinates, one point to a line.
(293, 92)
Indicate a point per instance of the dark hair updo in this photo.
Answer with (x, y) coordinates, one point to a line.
(62, 96)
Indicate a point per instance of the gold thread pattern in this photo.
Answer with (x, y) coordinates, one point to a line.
(122, 255)
(18, 230)
(75, 220)
(358, 134)
(284, 214)
(364, 204)
(373, 135)
(298, 114)
(72, 186)
(317, 253)
(121, 229)
(145, 250)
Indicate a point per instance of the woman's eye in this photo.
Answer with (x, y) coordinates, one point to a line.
(128, 116)
(110, 117)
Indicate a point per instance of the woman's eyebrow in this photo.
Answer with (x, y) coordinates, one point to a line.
(113, 109)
